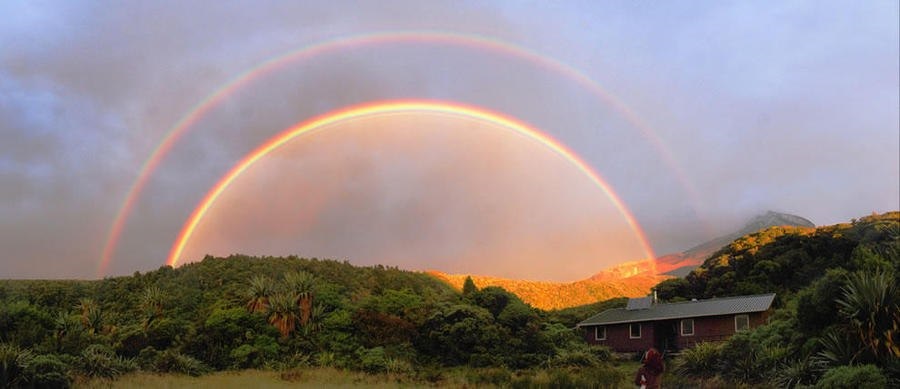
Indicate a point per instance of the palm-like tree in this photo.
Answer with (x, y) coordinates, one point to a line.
(300, 284)
(283, 312)
(152, 304)
(870, 303)
(94, 320)
(261, 288)
(64, 324)
(314, 322)
(85, 305)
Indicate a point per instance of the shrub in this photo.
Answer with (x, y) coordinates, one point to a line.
(798, 373)
(700, 361)
(100, 361)
(373, 360)
(574, 358)
(860, 377)
(13, 361)
(171, 361)
(398, 366)
(326, 359)
(47, 371)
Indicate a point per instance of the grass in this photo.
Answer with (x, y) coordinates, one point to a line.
(243, 379)
(335, 378)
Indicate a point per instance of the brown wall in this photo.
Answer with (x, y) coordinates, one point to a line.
(617, 337)
(706, 329)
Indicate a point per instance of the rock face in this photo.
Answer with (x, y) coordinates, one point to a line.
(630, 279)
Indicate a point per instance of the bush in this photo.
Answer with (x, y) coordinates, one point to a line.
(700, 361)
(860, 377)
(47, 371)
(398, 366)
(13, 362)
(373, 360)
(798, 373)
(100, 361)
(574, 358)
(171, 361)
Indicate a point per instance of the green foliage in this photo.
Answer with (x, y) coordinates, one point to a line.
(254, 355)
(798, 373)
(24, 324)
(837, 291)
(871, 304)
(861, 377)
(171, 361)
(816, 304)
(100, 361)
(701, 361)
(13, 362)
(47, 371)
(373, 360)
(469, 287)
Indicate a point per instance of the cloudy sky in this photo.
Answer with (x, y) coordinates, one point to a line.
(697, 115)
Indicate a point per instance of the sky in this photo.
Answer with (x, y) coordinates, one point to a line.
(697, 115)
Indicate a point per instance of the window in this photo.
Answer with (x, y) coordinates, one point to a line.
(741, 323)
(687, 327)
(600, 333)
(634, 332)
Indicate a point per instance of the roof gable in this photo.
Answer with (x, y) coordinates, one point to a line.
(710, 307)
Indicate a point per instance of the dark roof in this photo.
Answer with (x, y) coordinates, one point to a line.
(711, 307)
(639, 303)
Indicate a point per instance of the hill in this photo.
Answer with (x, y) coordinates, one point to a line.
(245, 312)
(785, 259)
(556, 295)
(629, 279)
(837, 304)
(680, 264)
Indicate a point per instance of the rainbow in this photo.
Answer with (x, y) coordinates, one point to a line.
(388, 108)
(197, 112)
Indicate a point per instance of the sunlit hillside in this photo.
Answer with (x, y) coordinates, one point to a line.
(556, 295)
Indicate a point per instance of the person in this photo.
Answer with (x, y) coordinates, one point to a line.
(649, 375)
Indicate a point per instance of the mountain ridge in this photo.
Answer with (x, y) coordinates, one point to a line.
(629, 279)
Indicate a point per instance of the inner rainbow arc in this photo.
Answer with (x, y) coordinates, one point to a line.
(393, 107)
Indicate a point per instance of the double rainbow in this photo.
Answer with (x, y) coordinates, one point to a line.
(174, 134)
(388, 108)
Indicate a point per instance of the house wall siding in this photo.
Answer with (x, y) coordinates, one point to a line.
(617, 337)
(706, 329)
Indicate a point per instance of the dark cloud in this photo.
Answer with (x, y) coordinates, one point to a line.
(792, 107)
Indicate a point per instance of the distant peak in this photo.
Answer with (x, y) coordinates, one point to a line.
(772, 218)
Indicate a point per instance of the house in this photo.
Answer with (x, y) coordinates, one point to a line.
(643, 323)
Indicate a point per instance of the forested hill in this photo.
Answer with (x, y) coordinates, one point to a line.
(244, 312)
(787, 259)
(837, 322)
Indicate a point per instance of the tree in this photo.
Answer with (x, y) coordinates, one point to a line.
(469, 286)
(870, 304)
(261, 288)
(151, 304)
(301, 285)
(91, 316)
(64, 325)
(283, 313)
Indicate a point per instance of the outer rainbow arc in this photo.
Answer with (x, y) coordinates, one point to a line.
(213, 99)
(389, 107)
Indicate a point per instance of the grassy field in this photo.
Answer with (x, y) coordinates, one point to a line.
(334, 378)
